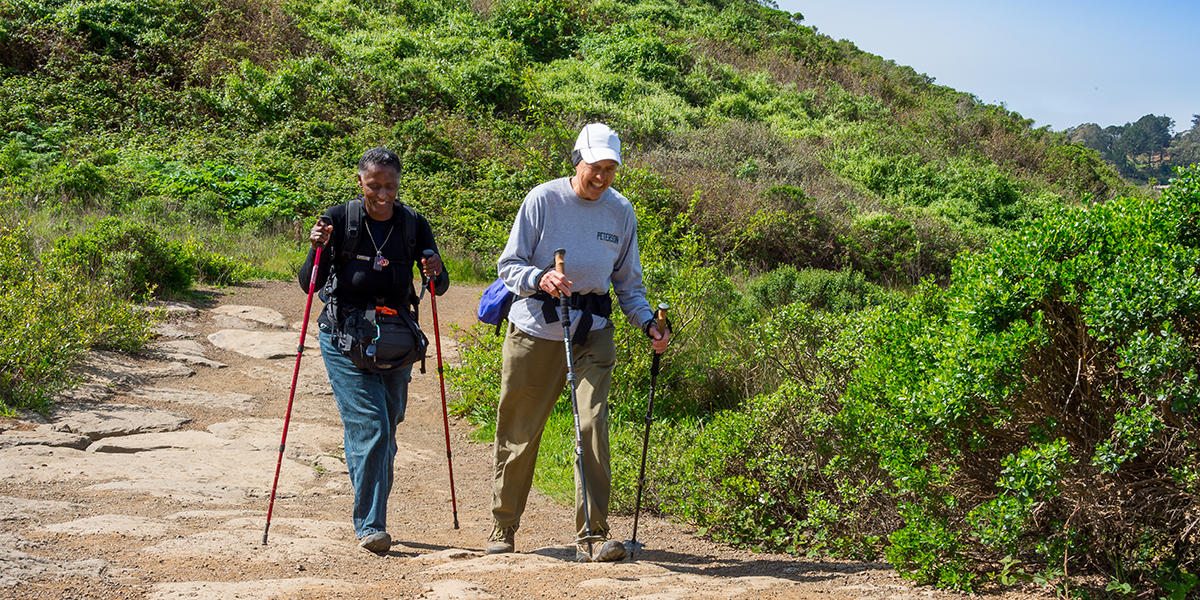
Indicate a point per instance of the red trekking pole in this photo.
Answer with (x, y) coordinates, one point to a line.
(312, 286)
(437, 337)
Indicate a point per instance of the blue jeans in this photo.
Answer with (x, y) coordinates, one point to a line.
(371, 406)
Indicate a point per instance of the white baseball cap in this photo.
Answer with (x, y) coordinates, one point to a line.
(597, 142)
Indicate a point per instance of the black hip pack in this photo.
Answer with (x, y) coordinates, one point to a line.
(381, 339)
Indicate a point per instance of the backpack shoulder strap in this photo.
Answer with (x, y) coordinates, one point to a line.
(410, 242)
(353, 228)
(410, 231)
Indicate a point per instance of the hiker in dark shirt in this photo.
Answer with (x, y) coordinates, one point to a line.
(376, 271)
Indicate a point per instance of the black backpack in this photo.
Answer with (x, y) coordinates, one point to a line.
(377, 339)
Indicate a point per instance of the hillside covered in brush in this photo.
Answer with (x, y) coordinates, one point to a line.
(792, 148)
(908, 324)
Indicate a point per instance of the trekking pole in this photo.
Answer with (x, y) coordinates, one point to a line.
(564, 312)
(312, 286)
(437, 337)
(661, 317)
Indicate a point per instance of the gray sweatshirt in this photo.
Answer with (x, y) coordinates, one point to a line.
(600, 237)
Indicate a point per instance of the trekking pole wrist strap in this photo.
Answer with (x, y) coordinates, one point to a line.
(647, 324)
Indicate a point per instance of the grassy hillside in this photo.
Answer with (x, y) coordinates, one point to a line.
(801, 204)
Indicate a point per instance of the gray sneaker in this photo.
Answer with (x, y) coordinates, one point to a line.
(379, 542)
(611, 551)
(502, 540)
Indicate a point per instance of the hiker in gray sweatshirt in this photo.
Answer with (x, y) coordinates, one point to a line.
(597, 227)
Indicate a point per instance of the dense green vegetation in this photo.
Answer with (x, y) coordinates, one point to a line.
(908, 323)
(1144, 150)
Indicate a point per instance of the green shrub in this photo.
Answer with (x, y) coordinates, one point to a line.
(309, 87)
(644, 54)
(120, 27)
(1058, 373)
(50, 314)
(230, 193)
(131, 257)
(548, 29)
(884, 246)
(831, 291)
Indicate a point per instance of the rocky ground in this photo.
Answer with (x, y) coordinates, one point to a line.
(152, 479)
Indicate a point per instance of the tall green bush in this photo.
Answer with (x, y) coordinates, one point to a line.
(1057, 374)
(50, 314)
(1040, 411)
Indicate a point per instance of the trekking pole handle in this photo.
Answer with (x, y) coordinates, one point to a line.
(560, 265)
(660, 316)
(426, 255)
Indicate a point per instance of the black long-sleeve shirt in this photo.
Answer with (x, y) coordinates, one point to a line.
(358, 283)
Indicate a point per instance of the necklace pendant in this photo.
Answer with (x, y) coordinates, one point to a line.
(379, 263)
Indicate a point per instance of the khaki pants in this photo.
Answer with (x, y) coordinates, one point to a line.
(534, 373)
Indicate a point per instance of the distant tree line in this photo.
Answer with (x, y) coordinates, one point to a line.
(1145, 149)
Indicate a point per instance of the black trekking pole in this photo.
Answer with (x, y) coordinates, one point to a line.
(661, 317)
(564, 312)
(437, 337)
(312, 286)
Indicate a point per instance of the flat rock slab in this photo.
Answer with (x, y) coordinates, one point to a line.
(176, 440)
(43, 436)
(239, 541)
(305, 440)
(252, 314)
(113, 367)
(171, 331)
(173, 309)
(223, 400)
(266, 589)
(537, 561)
(201, 361)
(258, 344)
(209, 476)
(17, 566)
(669, 584)
(186, 351)
(454, 589)
(126, 525)
(87, 392)
(20, 509)
(107, 420)
(330, 464)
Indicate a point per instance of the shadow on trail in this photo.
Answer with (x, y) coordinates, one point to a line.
(422, 548)
(797, 570)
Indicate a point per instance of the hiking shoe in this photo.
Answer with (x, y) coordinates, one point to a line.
(611, 551)
(581, 552)
(501, 540)
(379, 542)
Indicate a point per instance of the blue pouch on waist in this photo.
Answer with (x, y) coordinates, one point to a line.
(494, 304)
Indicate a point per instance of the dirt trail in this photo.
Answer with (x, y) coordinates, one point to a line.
(152, 480)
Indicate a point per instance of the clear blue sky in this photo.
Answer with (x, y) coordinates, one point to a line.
(1059, 63)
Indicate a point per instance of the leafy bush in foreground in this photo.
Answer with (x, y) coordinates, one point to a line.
(49, 316)
(1044, 406)
(1041, 410)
